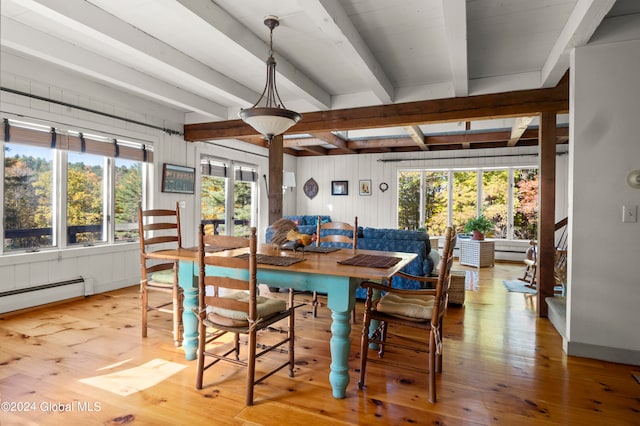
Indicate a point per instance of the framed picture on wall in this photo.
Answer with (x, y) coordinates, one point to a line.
(339, 187)
(178, 179)
(365, 186)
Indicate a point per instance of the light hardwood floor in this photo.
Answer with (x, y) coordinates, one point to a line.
(502, 365)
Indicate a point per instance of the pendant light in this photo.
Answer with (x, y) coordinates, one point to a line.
(272, 118)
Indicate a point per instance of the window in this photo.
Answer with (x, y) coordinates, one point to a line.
(212, 201)
(409, 200)
(243, 200)
(86, 218)
(465, 197)
(227, 197)
(28, 197)
(525, 204)
(436, 201)
(128, 195)
(432, 199)
(65, 184)
(495, 197)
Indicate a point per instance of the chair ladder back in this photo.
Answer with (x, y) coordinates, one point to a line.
(226, 282)
(444, 277)
(150, 221)
(224, 303)
(238, 274)
(159, 229)
(226, 241)
(338, 238)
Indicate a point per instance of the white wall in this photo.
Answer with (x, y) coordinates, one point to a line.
(604, 285)
(106, 267)
(379, 210)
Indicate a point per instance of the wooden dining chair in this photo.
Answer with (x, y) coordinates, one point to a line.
(345, 234)
(421, 309)
(340, 234)
(159, 229)
(232, 306)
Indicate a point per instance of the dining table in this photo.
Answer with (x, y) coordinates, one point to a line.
(332, 271)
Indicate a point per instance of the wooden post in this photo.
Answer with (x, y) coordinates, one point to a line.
(547, 202)
(275, 178)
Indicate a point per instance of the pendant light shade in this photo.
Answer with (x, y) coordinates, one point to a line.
(272, 118)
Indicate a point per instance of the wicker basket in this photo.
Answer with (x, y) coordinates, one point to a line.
(457, 287)
(477, 253)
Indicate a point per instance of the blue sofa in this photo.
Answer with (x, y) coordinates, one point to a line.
(382, 240)
(402, 241)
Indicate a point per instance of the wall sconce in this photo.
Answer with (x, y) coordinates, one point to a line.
(633, 179)
(288, 181)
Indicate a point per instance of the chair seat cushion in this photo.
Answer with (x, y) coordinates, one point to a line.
(414, 308)
(265, 306)
(163, 277)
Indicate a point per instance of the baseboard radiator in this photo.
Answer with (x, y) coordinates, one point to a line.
(22, 298)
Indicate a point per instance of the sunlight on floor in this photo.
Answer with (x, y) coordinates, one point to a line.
(127, 382)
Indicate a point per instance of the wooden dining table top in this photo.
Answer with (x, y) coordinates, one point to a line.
(313, 263)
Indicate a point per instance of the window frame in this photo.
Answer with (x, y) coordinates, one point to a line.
(450, 171)
(61, 142)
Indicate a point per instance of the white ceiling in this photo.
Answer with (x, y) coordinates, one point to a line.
(206, 58)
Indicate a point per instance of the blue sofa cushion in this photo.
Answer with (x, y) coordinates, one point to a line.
(397, 234)
(402, 241)
(313, 220)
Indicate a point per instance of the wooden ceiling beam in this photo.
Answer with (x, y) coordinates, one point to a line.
(416, 134)
(316, 150)
(529, 136)
(502, 136)
(361, 144)
(255, 140)
(519, 127)
(497, 105)
(261, 141)
(335, 140)
(302, 142)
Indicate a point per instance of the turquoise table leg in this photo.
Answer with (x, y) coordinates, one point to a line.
(340, 345)
(341, 299)
(188, 281)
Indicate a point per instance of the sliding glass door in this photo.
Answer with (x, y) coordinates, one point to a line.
(228, 195)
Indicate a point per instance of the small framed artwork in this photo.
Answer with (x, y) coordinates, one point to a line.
(365, 186)
(339, 187)
(178, 179)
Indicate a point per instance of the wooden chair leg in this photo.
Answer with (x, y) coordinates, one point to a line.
(144, 302)
(531, 278)
(291, 334)
(177, 315)
(432, 366)
(439, 355)
(314, 303)
(383, 338)
(202, 341)
(236, 345)
(251, 367)
(364, 347)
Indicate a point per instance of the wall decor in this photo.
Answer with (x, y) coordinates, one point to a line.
(383, 186)
(339, 187)
(365, 186)
(310, 188)
(633, 179)
(178, 179)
